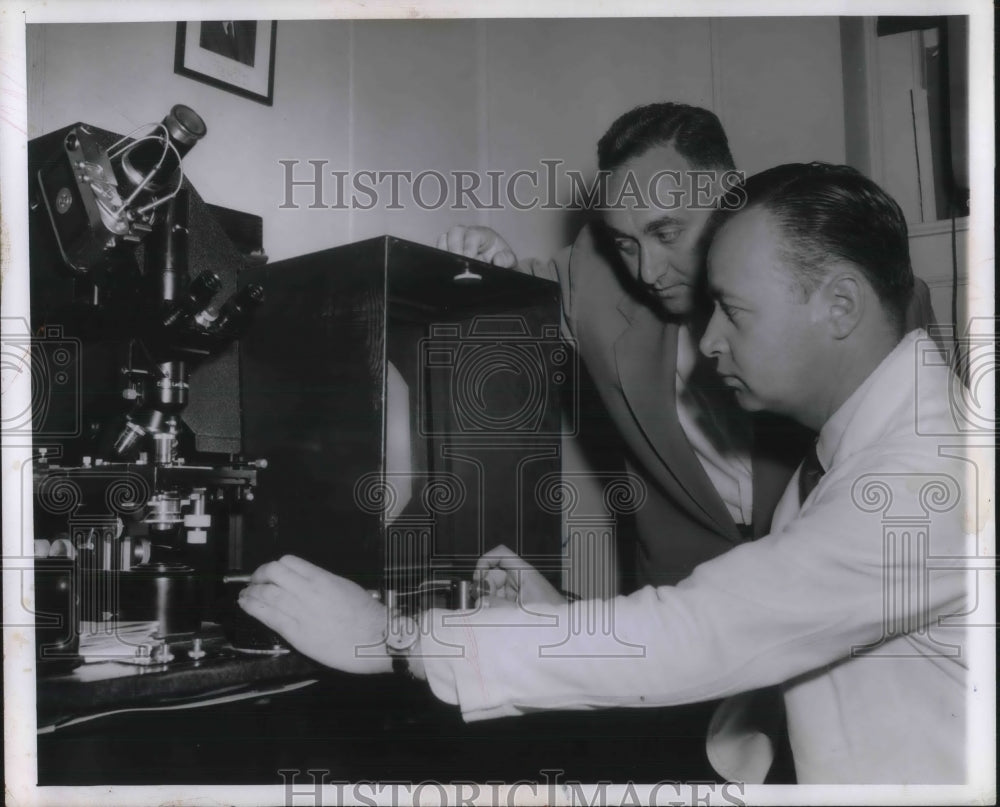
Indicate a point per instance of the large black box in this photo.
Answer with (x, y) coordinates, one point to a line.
(409, 403)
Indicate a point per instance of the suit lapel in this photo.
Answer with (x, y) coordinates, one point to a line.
(646, 357)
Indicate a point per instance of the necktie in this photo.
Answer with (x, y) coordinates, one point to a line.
(810, 473)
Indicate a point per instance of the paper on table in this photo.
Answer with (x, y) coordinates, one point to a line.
(114, 641)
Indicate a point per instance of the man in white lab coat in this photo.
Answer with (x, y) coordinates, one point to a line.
(839, 604)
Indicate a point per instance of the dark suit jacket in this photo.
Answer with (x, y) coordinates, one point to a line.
(631, 353)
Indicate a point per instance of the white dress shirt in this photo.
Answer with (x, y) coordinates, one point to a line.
(839, 604)
(720, 441)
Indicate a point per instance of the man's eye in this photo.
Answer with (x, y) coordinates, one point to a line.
(667, 236)
(626, 246)
(727, 312)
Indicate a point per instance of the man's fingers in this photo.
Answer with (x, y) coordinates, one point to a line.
(481, 243)
(498, 582)
(502, 557)
(274, 597)
(474, 243)
(309, 571)
(493, 576)
(293, 573)
(499, 568)
(276, 619)
(452, 239)
(455, 239)
(498, 253)
(279, 574)
(505, 259)
(499, 551)
(493, 249)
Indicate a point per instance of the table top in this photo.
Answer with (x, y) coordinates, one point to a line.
(114, 679)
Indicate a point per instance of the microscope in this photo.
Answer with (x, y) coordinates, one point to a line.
(140, 487)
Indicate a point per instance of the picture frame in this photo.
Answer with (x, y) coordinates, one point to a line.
(233, 55)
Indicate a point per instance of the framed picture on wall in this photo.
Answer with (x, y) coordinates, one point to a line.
(233, 55)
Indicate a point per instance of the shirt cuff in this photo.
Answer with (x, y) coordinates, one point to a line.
(455, 671)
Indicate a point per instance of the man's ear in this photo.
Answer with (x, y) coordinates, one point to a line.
(844, 298)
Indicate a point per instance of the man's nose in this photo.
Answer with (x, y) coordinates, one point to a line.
(712, 342)
(651, 266)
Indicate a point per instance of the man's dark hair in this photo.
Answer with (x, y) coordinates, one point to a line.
(830, 213)
(695, 132)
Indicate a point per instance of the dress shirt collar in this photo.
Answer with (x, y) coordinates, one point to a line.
(687, 352)
(831, 436)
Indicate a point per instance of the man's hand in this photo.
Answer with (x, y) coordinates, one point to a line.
(480, 243)
(327, 618)
(512, 578)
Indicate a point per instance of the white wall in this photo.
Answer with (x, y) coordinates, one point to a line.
(443, 95)
(780, 89)
(415, 109)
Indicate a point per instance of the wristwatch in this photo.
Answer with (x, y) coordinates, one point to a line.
(400, 638)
